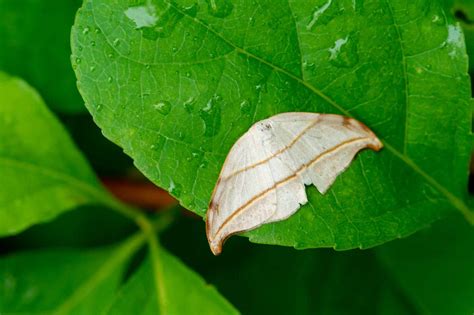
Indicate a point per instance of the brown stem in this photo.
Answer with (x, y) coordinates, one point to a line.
(139, 193)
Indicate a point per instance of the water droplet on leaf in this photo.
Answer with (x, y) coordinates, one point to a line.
(158, 20)
(344, 52)
(246, 107)
(191, 10)
(324, 13)
(164, 107)
(438, 20)
(220, 8)
(197, 155)
(211, 115)
(203, 164)
(189, 105)
(143, 15)
(175, 189)
(261, 87)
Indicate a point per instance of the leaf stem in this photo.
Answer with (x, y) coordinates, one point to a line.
(124, 251)
(155, 248)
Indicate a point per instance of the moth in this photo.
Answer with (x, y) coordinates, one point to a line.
(264, 175)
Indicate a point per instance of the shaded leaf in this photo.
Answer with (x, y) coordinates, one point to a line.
(42, 172)
(90, 282)
(176, 84)
(35, 46)
(278, 280)
(435, 267)
(184, 291)
(63, 281)
(76, 228)
(96, 148)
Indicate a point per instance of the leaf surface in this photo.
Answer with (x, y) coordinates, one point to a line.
(34, 44)
(176, 84)
(42, 172)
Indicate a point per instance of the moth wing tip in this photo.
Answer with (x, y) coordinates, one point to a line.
(216, 248)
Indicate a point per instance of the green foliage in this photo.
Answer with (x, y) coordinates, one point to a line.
(177, 96)
(438, 258)
(174, 85)
(39, 150)
(44, 178)
(88, 282)
(279, 280)
(176, 285)
(34, 44)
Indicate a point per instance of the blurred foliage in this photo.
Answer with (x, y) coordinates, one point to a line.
(34, 44)
(105, 157)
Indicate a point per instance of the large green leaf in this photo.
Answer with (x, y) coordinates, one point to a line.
(435, 267)
(34, 44)
(176, 83)
(42, 173)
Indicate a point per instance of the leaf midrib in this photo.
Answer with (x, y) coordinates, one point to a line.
(96, 192)
(108, 267)
(54, 174)
(405, 74)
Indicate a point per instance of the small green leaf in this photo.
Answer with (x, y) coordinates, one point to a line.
(34, 44)
(435, 267)
(42, 172)
(176, 83)
(182, 291)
